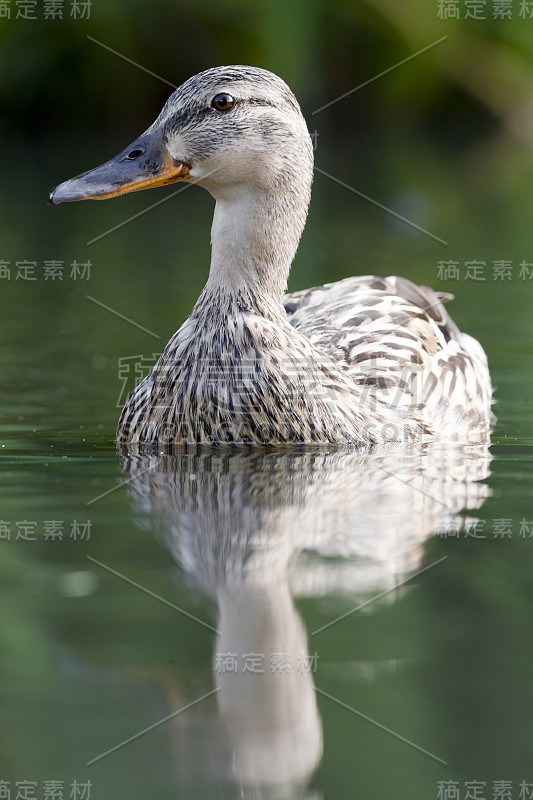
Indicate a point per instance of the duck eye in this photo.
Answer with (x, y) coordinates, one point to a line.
(222, 102)
(135, 153)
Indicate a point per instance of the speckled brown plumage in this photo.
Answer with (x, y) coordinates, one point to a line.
(354, 361)
(366, 360)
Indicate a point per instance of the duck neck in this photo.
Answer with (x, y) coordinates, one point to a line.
(254, 238)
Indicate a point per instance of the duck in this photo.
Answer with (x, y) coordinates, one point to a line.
(364, 361)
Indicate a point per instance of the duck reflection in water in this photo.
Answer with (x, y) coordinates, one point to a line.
(257, 528)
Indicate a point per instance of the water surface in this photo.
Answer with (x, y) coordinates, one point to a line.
(173, 573)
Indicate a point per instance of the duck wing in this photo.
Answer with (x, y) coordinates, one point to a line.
(397, 339)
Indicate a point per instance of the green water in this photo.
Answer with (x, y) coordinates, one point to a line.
(254, 552)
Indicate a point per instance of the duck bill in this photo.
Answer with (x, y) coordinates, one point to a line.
(144, 164)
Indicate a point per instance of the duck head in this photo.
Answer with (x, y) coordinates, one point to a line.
(225, 127)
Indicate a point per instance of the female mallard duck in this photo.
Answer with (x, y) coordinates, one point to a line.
(365, 360)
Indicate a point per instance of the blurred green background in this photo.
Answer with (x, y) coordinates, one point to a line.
(444, 140)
